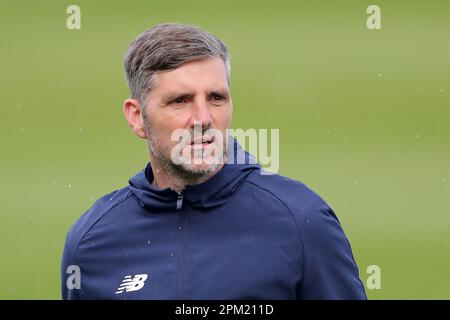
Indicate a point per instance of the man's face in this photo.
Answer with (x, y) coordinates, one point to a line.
(195, 98)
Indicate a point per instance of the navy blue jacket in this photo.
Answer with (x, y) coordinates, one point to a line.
(239, 235)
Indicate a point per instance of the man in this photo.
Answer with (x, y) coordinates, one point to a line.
(201, 221)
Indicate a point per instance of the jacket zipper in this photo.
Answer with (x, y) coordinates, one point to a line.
(185, 240)
(180, 200)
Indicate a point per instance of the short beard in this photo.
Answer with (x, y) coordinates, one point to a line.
(179, 171)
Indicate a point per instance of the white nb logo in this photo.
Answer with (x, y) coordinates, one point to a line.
(132, 283)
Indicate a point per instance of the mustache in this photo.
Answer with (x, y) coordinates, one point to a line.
(186, 137)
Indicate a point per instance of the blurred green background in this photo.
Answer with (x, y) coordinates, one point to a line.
(363, 118)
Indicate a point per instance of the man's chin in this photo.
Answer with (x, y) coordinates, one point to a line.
(203, 169)
(192, 164)
(200, 163)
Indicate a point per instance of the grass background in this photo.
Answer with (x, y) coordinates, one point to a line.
(363, 118)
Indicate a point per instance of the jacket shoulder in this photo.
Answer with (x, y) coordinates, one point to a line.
(303, 204)
(295, 195)
(329, 268)
(101, 207)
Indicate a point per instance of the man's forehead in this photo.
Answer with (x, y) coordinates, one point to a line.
(202, 74)
(172, 89)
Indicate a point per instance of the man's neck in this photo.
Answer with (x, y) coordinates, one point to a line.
(163, 179)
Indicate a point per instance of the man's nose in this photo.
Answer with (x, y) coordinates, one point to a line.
(201, 114)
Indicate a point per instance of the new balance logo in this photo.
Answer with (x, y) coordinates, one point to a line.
(132, 283)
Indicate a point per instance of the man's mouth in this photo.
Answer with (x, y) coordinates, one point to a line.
(203, 140)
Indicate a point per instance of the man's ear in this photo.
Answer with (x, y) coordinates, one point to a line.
(133, 113)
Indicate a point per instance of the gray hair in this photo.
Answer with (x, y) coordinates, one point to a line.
(167, 47)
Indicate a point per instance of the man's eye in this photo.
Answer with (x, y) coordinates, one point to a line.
(217, 99)
(179, 100)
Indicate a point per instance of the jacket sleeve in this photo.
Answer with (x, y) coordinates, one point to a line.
(329, 268)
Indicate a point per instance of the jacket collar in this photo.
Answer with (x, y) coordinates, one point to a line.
(212, 193)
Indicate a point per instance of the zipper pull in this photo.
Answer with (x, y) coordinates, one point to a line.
(180, 200)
